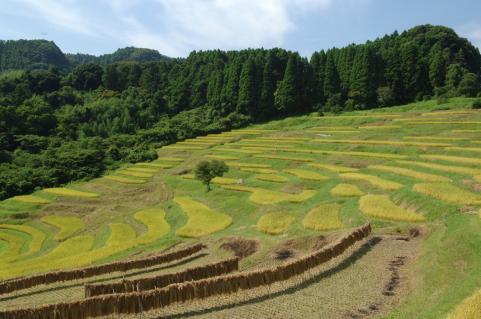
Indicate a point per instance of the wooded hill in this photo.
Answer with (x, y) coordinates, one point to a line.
(57, 126)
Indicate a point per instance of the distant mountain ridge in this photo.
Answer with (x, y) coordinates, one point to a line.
(41, 54)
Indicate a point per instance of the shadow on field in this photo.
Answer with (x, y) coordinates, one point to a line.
(120, 276)
(355, 256)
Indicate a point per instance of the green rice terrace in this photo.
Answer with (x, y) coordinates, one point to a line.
(297, 190)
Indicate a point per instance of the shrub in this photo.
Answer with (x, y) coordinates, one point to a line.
(476, 104)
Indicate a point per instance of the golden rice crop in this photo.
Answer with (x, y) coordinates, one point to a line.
(275, 223)
(385, 116)
(141, 169)
(333, 131)
(444, 122)
(259, 170)
(283, 138)
(125, 180)
(454, 159)
(333, 128)
(462, 149)
(183, 147)
(202, 219)
(380, 206)
(254, 130)
(373, 180)
(67, 225)
(31, 199)
(347, 153)
(323, 217)
(477, 178)
(170, 159)
(215, 180)
(466, 131)
(469, 308)
(265, 147)
(447, 192)
(15, 244)
(410, 173)
(135, 174)
(155, 166)
(157, 226)
(61, 191)
(195, 144)
(271, 178)
(267, 197)
(346, 190)
(38, 237)
(444, 168)
(434, 138)
(334, 168)
(306, 174)
(378, 142)
(413, 119)
(223, 157)
(236, 150)
(379, 127)
(60, 257)
(285, 158)
(250, 165)
(446, 113)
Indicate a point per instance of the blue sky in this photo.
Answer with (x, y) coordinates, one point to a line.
(176, 27)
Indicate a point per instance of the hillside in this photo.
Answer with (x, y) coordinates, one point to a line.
(66, 127)
(41, 54)
(295, 186)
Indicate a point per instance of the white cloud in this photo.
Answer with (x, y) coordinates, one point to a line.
(175, 27)
(471, 31)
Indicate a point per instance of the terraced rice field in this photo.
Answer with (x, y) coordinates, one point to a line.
(293, 185)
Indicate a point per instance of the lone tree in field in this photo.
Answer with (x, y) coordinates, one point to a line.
(206, 171)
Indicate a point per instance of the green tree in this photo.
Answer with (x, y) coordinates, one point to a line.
(287, 94)
(205, 171)
(437, 67)
(469, 85)
(247, 100)
(331, 77)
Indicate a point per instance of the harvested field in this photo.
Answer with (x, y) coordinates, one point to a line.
(125, 180)
(306, 174)
(267, 197)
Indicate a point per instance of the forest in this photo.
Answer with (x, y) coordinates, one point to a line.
(74, 116)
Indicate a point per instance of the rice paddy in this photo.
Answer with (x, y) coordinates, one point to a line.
(286, 187)
(125, 180)
(275, 223)
(157, 226)
(263, 196)
(449, 193)
(272, 178)
(59, 191)
(469, 308)
(373, 180)
(67, 225)
(306, 174)
(31, 199)
(410, 173)
(323, 217)
(380, 206)
(202, 219)
(346, 190)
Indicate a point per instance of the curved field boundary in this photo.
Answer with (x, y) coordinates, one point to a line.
(381, 206)
(137, 302)
(410, 173)
(323, 217)
(149, 283)
(378, 142)
(62, 191)
(375, 181)
(122, 266)
(38, 237)
(67, 225)
(31, 199)
(275, 223)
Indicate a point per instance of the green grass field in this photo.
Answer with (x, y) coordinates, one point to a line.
(287, 186)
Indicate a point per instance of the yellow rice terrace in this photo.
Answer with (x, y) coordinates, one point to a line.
(360, 215)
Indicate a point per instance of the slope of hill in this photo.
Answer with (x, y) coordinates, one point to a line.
(412, 170)
(40, 54)
(124, 54)
(30, 55)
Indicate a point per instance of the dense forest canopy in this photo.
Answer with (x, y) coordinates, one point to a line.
(57, 126)
(41, 54)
